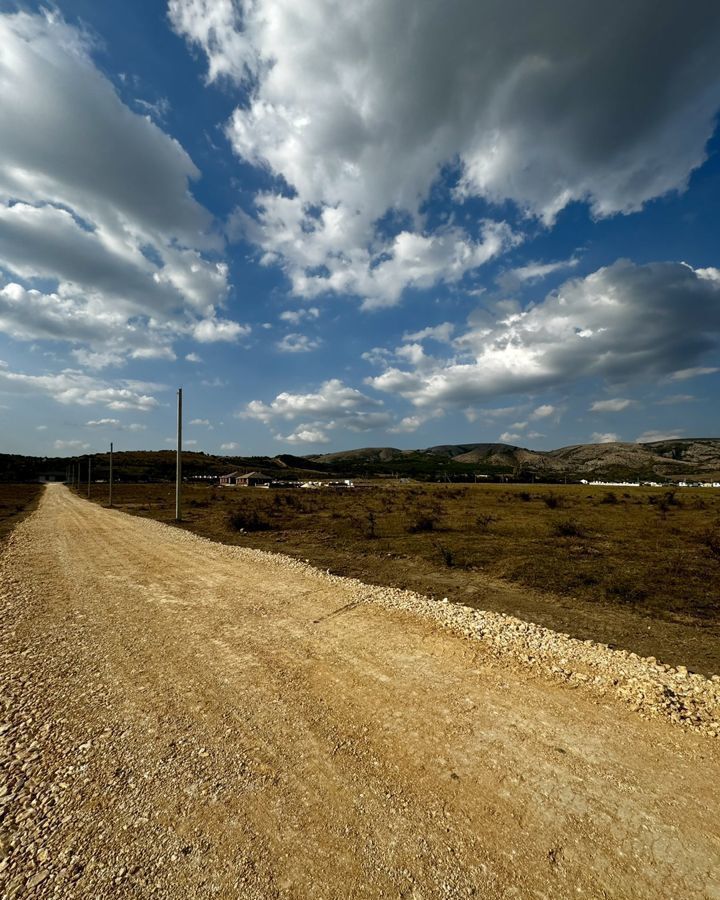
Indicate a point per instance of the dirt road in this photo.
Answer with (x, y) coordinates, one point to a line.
(186, 720)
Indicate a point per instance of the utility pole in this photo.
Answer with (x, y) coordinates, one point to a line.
(178, 462)
(111, 475)
(89, 474)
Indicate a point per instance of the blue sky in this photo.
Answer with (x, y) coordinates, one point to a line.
(335, 226)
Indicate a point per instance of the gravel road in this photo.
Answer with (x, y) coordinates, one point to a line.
(182, 719)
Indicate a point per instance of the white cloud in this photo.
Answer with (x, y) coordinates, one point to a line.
(333, 405)
(648, 437)
(193, 358)
(509, 437)
(305, 435)
(102, 240)
(295, 316)
(190, 443)
(615, 404)
(200, 422)
(71, 445)
(604, 437)
(622, 322)
(102, 423)
(298, 343)
(212, 330)
(541, 109)
(542, 412)
(441, 333)
(693, 372)
(73, 387)
(230, 445)
(533, 272)
(166, 353)
(41, 428)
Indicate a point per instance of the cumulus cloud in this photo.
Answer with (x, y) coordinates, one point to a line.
(102, 423)
(100, 236)
(295, 316)
(74, 387)
(205, 422)
(570, 101)
(615, 404)
(510, 437)
(305, 434)
(298, 343)
(334, 405)
(622, 322)
(604, 437)
(230, 445)
(542, 412)
(211, 330)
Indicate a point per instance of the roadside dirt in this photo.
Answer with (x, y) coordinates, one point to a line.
(183, 719)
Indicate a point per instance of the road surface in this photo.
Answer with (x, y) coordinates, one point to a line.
(186, 720)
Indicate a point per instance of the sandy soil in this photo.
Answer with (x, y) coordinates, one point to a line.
(185, 720)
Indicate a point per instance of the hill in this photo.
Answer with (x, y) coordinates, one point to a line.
(672, 459)
(687, 458)
(156, 465)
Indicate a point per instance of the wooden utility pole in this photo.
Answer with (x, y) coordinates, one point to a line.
(89, 474)
(111, 475)
(178, 461)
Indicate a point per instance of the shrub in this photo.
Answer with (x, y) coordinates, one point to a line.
(424, 522)
(552, 501)
(371, 522)
(711, 540)
(525, 496)
(623, 592)
(239, 520)
(483, 521)
(609, 497)
(447, 555)
(568, 528)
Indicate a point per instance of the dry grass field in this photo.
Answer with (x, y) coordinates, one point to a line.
(634, 568)
(16, 500)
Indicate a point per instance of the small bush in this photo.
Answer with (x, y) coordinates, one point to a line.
(525, 496)
(447, 556)
(424, 522)
(610, 497)
(552, 501)
(239, 520)
(483, 521)
(623, 592)
(711, 540)
(568, 528)
(371, 522)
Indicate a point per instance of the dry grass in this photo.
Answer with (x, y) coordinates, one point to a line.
(638, 568)
(16, 500)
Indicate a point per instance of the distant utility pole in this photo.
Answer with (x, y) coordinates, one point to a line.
(89, 474)
(178, 462)
(111, 474)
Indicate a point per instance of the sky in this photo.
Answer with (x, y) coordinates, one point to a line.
(338, 225)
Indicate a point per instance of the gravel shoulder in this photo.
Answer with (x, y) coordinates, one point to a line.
(187, 719)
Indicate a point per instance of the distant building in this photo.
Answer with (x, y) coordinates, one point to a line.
(249, 479)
